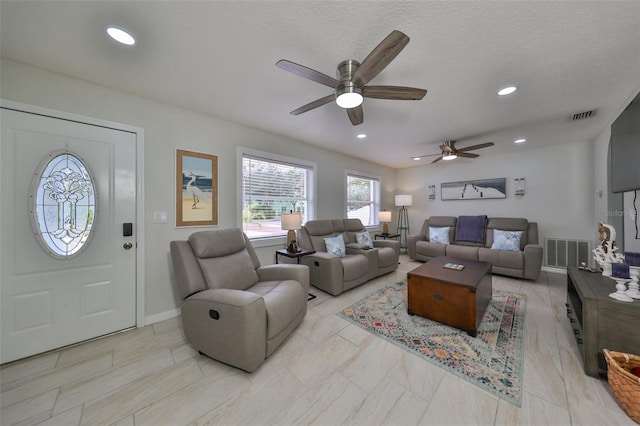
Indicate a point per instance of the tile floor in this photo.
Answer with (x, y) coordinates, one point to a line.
(328, 372)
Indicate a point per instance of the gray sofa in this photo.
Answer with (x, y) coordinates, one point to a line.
(335, 274)
(524, 263)
(234, 310)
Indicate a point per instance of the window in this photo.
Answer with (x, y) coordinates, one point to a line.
(63, 205)
(363, 198)
(272, 185)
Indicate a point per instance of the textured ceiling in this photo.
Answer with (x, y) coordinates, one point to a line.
(219, 58)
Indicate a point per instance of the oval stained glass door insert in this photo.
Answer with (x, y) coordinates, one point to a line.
(63, 204)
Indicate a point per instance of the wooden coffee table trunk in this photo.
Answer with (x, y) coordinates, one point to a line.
(455, 298)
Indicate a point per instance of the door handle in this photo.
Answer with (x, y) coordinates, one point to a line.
(127, 246)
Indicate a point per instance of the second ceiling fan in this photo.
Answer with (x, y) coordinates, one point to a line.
(351, 85)
(450, 152)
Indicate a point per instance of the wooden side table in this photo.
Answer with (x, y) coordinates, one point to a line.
(297, 256)
(386, 236)
(303, 252)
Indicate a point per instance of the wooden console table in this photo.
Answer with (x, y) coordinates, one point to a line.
(599, 321)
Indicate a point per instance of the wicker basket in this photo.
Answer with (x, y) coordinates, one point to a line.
(624, 385)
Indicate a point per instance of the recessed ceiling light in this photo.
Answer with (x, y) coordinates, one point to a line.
(121, 36)
(361, 135)
(417, 158)
(520, 141)
(507, 90)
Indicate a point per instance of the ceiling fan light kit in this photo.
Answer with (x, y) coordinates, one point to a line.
(351, 86)
(448, 156)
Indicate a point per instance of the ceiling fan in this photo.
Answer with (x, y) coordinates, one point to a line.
(351, 84)
(450, 152)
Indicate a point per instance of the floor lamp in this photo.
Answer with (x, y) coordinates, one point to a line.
(403, 201)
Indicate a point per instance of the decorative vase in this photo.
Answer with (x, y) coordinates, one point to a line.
(606, 269)
(634, 285)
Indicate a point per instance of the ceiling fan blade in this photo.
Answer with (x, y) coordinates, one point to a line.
(437, 159)
(472, 147)
(308, 73)
(428, 155)
(312, 105)
(380, 57)
(393, 92)
(466, 154)
(356, 115)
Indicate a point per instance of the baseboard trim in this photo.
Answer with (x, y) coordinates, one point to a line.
(151, 319)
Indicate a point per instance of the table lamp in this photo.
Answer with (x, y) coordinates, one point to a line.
(291, 222)
(385, 218)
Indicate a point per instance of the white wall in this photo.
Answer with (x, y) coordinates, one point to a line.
(559, 189)
(601, 176)
(167, 128)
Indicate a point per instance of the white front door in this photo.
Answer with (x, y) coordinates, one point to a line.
(46, 301)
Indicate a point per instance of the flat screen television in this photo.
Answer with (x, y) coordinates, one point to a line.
(625, 149)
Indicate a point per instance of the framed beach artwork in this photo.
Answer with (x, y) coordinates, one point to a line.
(196, 189)
(474, 189)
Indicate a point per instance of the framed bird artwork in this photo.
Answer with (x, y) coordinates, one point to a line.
(196, 189)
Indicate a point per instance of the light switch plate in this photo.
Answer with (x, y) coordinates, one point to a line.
(160, 217)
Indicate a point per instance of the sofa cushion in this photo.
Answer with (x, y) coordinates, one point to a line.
(217, 243)
(427, 248)
(462, 252)
(319, 227)
(439, 222)
(502, 258)
(240, 273)
(439, 235)
(507, 224)
(355, 267)
(506, 240)
(364, 238)
(335, 245)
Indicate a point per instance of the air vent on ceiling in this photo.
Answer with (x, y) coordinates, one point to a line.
(582, 115)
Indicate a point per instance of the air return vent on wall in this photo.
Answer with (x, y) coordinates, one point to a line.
(560, 253)
(582, 115)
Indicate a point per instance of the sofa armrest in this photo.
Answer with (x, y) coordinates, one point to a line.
(325, 271)
(298, 273)
(532, 261)
(387, 243)
(221, 323)
(411, 244)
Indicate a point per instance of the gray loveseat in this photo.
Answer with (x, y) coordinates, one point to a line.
(335, 274)
(523, 263)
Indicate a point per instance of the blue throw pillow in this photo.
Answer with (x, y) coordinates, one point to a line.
(335, 246)
(506, 240)
(364, 238)
(439, 235)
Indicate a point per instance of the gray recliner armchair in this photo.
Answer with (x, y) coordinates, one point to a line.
(234, 310)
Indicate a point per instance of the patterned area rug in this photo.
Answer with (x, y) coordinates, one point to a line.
(492, 361)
